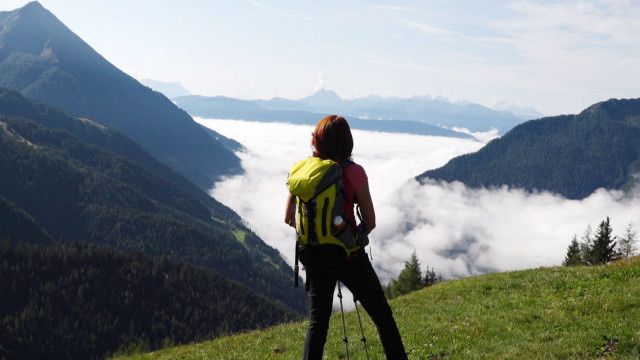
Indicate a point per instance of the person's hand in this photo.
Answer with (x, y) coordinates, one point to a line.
(361, 235)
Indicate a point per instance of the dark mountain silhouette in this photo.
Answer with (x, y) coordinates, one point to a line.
(82, 182)
(87, 302)
(572, 155)
(42, 59)
(228, 108)
(16, 225)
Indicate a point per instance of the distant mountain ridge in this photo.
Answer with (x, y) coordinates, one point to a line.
(438, 113)
(42, 59)
(168, 89)
(222, 107)
(572, 155)
(434, 111)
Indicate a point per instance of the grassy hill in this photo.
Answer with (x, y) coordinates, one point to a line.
(560, 312)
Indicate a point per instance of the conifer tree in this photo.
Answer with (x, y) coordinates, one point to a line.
(410, 278)
(603, 249)
(627, 242)
(574, 256)
(586, 244)
(430, 277)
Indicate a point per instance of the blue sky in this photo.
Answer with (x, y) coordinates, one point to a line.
(558, 57)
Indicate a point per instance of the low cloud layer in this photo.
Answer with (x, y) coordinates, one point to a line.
(457, 230)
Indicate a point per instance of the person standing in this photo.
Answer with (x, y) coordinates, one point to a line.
(328, 263)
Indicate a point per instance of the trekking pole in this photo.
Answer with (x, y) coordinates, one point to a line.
(344, 327)
(362, 337)
(296, 268)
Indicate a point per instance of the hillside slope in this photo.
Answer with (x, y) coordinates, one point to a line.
(561, 313)
(43, 59)
(85, 302)
(80, 181)
(572, 155)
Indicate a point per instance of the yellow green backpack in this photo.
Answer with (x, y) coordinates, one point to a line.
(319, 191)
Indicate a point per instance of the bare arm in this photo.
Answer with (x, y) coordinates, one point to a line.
(363, 199)
(290, 212)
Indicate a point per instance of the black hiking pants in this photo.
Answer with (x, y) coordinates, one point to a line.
(324, 266)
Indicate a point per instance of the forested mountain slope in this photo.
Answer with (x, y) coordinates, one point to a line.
(572, 155)
(80, 181)
(41, 58)
(16, 225)
(86, 302)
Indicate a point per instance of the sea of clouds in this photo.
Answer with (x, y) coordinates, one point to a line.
(456, 230)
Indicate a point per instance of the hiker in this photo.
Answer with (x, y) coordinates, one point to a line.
(328, 263)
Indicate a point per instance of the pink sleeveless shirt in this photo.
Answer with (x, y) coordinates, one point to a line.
(354, 179)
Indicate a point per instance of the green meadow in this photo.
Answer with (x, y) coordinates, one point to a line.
(546, 313)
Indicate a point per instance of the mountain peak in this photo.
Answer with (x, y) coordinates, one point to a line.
(322, 98)
(33, 11)
(325, 93)
(33, 5)
(34, 31)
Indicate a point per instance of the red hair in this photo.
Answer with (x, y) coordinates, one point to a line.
(332, 139)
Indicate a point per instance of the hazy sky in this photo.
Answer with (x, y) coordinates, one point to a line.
(556, 56)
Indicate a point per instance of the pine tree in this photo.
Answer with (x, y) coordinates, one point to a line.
(574, 256)
(585, 246)
(627, 243)
(430, 277)
(410, 278)
(603, 249)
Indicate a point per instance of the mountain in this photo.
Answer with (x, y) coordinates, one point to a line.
(523, 112)
(87, 302)
(571, 155)
(434, 111)
(220, 107)
(82, 182)
(168, 89)
(42, 59)
(323, 99)
(16, 225)
(576, 312)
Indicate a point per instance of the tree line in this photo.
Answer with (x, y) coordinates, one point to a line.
(601, 246)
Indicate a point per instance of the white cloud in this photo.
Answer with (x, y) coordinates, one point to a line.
(322, 81)
(457, 230)
(482, 136)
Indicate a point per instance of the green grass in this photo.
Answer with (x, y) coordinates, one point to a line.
(548, 313)
(240, 235)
